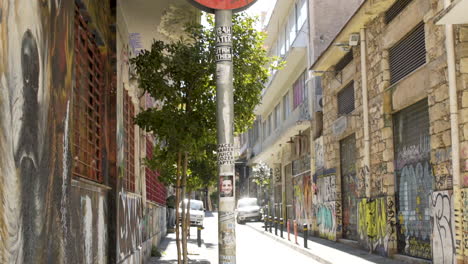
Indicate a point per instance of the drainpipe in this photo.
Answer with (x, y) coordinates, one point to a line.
(452, 85)
(365, 110)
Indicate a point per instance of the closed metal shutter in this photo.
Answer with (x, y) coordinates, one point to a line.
(395, 9)
(346, 99)
(414, 180)
(349, 188)
(408, 54)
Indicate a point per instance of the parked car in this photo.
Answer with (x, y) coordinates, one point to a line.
(248, 209)
(197, 211)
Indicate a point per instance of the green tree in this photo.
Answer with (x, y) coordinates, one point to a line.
(181, 75)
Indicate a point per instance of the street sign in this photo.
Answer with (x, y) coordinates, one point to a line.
(212, 5)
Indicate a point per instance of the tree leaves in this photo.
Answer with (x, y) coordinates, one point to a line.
(181, 75)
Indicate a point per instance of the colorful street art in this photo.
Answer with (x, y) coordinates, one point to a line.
(414, 181)
(327, 218)
(303, 198)
(349, 186)
(376, 224)
(36, 55)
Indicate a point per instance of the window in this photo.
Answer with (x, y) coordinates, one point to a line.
(270, 121)
(277, 116)
(292, 28)
(408, 54)
(87, 103)
(346, 99)
(298, 90)
(286, 108)
(302, 13)
(128, 180)
(396, 9)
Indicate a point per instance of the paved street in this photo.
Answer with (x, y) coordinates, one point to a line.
(252, 247)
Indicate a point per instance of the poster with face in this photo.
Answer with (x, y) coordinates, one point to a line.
(226, 186)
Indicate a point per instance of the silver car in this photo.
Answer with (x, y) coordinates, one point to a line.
(197, 212)
(248, 209)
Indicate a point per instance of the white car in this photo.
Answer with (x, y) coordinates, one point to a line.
(248, 209)
(197, 212)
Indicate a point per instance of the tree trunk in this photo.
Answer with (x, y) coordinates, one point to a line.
(179, 160)
(184, 218)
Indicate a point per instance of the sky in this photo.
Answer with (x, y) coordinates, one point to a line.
(262, 5)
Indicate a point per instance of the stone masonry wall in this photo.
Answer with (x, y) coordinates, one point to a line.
(377, 217)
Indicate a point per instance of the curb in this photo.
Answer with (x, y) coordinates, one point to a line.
(291, 245)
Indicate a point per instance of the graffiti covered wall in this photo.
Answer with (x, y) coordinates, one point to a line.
(36, 52)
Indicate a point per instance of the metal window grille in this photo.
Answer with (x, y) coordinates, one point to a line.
(340, 65)
(408, 54)
(346, 99)
(155, 190)
(87, 103)
(129, 112)
(395, 9)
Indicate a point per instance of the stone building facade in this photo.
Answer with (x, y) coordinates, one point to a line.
(402, 201)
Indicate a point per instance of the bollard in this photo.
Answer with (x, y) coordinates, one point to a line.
(276, 226)
(288, 226)
(270, 220)
(306, 232)
(281, 227)
(265, 221)
(295, 231)
(199, 229)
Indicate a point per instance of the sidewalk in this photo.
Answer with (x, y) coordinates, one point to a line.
(168, 249)
(324, 251)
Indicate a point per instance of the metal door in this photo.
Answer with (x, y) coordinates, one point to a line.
(413, 180)
(349, 186)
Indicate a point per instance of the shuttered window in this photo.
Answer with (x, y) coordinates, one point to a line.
(298, 90)
(408, 54)
(346, 99)
(396, 9)
(87, 103)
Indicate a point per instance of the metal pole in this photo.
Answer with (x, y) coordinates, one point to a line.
(225, 121)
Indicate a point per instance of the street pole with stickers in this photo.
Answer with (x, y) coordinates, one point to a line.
(223, 10)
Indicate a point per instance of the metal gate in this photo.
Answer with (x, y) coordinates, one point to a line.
(349, 187)
(414, 180)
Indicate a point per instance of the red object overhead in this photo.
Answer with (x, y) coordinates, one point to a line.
(211, 5)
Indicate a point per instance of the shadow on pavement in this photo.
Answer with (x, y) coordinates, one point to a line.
(191, 261)
(210, 245)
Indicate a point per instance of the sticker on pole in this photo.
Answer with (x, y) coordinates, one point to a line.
(212, 5)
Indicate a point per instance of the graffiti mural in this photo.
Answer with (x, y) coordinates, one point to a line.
(376, 224)
(36, 55)
(327, 218)
(443, 245)
(442, 169)
(414, 181)
(303, 198)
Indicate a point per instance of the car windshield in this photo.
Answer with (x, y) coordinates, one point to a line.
(247, 202)
(194, 205)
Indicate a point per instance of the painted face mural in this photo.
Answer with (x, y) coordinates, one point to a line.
(28, 90)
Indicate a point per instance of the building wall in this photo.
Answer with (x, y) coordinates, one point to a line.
(378, 217)
(45, 215)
